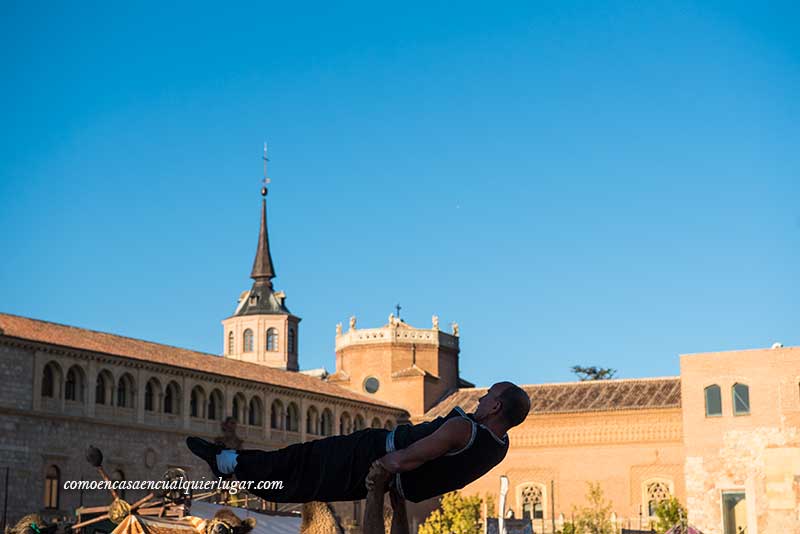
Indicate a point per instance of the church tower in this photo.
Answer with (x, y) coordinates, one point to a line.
(262, 329)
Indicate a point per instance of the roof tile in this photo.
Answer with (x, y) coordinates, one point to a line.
(589, 396)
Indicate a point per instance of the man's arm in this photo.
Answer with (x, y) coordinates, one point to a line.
(451, 436)
(376, 482)
(399, 516)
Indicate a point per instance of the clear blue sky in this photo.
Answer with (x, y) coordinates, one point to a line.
(573, 183)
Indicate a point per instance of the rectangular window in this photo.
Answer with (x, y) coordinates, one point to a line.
(734, 512)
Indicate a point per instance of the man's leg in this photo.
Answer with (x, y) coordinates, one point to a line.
(279, 471)
(328, 469)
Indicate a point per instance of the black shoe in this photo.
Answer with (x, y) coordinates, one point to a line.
(207, 451)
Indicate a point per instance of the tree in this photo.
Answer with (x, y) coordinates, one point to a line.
(455, 515)
(594, 518)
(491, 505)
(669, 512)
(593, 373)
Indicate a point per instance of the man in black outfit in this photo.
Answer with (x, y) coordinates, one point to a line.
(419, 461)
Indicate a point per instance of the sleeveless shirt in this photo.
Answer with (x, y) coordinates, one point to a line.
(455, 469)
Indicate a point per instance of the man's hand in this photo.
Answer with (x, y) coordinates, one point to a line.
(378, 477)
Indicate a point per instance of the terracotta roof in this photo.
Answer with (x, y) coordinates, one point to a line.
(414, 370)
(80, 338)
(572, 397)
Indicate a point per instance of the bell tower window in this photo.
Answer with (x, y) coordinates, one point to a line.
(272, 339)
(248, 340)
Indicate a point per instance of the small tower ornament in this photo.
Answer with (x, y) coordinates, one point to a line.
(435, 321)
(265, 181)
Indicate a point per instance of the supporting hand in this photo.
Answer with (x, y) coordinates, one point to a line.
(378, 476)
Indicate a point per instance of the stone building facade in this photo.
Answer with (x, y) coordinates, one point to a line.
(69, 388)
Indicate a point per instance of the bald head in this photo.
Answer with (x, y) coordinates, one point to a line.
(516, 403)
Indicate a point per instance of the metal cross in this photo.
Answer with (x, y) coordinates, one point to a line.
(398, 308)
(265, 181)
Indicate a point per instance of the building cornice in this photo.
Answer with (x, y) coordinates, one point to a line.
(391, 334)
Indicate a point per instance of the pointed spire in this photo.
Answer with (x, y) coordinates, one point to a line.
(262, 265)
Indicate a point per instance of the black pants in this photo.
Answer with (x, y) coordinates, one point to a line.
(328, 469)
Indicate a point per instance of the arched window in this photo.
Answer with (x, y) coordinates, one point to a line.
(345, 424)
(376, 423)
(312, 421)
(230, 343)
(122, 393)
(148, 397)
(389, 425)
(214, 412)
(358, 423)
(656, 491)
(212, 407)
(713, 401)
(326, 423)
(741, 399)
(51, 487)
(247, 338)
(70, 386)
(152, 394)
(276, 415)
(74, 386)
(235, 408)
(102, 389)
(254, 412)
(197, 401)
(125, 391)
(171, 399)
(532, 503)
(272, 339)
(292, 418)
(291, 341)
(49, 381)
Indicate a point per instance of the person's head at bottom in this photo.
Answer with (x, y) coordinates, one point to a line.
(228, 426)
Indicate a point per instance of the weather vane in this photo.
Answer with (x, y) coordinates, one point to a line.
(265, 181)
